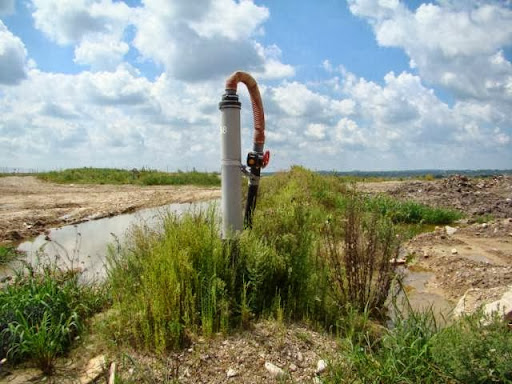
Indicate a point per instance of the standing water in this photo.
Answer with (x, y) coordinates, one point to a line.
(84, 245)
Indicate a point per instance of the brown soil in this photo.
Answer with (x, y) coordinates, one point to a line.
(476, 255)
(29, 206)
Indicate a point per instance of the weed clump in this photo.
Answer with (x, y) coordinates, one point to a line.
(416, 349)
(42, 312)
(173, 283)
(7, 254)
(358, 253)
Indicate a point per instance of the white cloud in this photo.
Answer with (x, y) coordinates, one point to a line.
(13, 57)
(68, 21)
(348, 133)
(94, 27)
(456, 44)
(228, 18)
(7, 7)
(100, 52)
(207, 40)
(111, 115)
(316, 131)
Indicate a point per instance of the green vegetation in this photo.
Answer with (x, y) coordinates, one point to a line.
(417, 350)
(410, 212)
(7, 253)
(42, 312)
(485, 218)
(308, 231)
(122, 176)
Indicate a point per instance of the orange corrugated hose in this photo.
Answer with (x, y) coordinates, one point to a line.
(257, 104)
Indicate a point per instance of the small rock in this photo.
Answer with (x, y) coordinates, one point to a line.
(300, 357)
(93, 370)
(293, 367)
(321, 366)
(502, 306)
(485, 225)
(231, 373)
(450, 230)
(274, 370)
(454, 251)
(397, 261)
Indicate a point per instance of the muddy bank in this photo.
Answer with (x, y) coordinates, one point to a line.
(29, 206)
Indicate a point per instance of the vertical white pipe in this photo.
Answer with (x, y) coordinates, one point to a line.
(231, 176)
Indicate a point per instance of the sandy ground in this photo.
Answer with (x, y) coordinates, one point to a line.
(29, 206)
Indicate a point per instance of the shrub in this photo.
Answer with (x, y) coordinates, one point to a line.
(358, 249)
(181, 280)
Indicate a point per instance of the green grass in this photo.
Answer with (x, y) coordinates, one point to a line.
(7, 254)
(42, 312)
(411, 212)
(122, 176)
(416, 350)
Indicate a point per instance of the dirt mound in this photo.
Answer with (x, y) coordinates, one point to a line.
(474, 196)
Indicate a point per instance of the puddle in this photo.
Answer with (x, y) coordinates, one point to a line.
(422, 297)
(84, 245)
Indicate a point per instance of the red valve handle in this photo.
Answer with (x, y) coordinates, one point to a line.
(266, 158)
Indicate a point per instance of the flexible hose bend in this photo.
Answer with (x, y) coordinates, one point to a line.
(257, 104)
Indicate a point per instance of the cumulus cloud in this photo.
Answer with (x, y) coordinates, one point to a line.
(68, 21)
(101, 52)
(95, 27)
(207, 39)
(456, 44)
(13, 57)
(111, 111)
(7, 7)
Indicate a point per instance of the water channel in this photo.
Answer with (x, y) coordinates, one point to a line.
(84, 245)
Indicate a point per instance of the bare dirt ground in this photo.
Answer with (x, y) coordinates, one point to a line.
(474, 255)
(29, 206)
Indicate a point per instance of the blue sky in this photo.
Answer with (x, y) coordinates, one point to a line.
(361, 84)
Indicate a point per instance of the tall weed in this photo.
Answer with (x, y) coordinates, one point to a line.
(42, 312)
(358, 247)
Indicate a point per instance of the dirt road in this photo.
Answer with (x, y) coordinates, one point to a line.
(29, 206)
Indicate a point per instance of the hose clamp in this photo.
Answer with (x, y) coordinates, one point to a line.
(253, 179)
